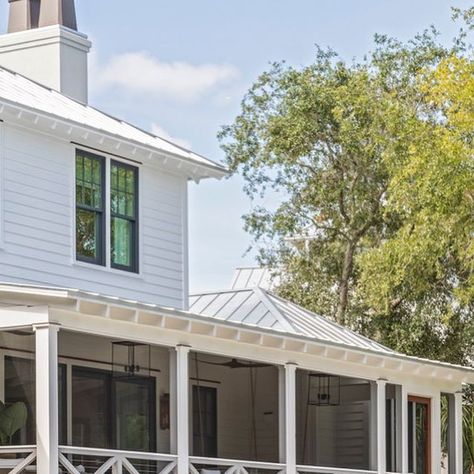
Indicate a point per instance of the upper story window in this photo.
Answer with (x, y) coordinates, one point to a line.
(90, 207)
(123, 216)
(94, 209)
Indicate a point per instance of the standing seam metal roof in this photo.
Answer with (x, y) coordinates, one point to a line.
(24, 92)
(261, 308)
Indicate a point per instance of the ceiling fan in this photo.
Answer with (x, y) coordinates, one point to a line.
(236, 364)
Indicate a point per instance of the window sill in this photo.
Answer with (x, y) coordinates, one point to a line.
(105, 269)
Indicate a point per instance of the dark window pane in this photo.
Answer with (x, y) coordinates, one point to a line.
(122, 242)
(418, 437)
(134, 414)
(204, 421)
(97, 197)
(86, 234)
(90, 409)
(87, 195)
(130, 211)
(79, 168)
(89, 178)
(20, 386)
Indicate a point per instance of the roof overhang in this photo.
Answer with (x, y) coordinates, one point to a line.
(77, 303)
(80, 133)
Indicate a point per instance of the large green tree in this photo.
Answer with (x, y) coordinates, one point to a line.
(427, 264)
(365, 170)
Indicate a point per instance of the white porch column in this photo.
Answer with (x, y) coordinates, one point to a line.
(47, 424)
(436, 434)
(290, 418)
(381, 427)
(404, 430)
(455, 433)
(173, 401)
(281, 414)
(182, 408)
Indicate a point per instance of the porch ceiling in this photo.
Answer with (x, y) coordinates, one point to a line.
(284, 337)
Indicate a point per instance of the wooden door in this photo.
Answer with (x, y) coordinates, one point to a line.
(419, 435)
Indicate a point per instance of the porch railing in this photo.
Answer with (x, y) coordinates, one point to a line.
(75, 460)
(304, 469)
(232, 466)
(17, 459)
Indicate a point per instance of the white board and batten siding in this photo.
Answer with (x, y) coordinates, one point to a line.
(37, 186)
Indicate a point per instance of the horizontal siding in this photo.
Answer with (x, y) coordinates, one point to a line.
(38, 225)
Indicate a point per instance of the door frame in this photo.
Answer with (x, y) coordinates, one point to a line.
(428, 402)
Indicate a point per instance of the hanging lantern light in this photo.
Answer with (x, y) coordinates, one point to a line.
(324, 390)
(130, 359)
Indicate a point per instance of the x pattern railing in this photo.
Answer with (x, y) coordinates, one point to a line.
(76, 460)
(201, 465)
(17, 459)
(100, 461)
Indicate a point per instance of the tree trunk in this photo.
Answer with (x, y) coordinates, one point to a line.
(347, 268)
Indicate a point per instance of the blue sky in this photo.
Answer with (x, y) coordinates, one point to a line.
(185, 65)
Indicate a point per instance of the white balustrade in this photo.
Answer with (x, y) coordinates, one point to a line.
(17, 465)
(118, 462)
(199, 464)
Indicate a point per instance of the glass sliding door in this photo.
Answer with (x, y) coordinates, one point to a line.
(419, 435)
(113, 412)
(20, 386)
(91, 420)
(135, 416)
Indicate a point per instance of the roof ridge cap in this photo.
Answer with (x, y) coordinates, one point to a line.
(262, 293)
(216, 292)
(335, 323)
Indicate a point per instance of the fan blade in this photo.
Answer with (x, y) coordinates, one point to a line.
(221, 364)
(236, 364)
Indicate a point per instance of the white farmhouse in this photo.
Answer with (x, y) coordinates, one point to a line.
(106, 365)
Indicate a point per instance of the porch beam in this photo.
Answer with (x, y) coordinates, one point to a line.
(182, 408)
(290, 417)
(46, 336)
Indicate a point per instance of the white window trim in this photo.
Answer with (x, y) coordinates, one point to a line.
(108, 266)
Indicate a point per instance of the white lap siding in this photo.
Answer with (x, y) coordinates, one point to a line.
(38, 225)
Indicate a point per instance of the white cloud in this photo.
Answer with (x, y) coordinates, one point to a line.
(179, 81)
(162, 133)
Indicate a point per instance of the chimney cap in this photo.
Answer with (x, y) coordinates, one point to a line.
(30, 14)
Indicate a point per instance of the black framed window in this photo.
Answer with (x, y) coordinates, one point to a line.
(123, 216)
(90, 207)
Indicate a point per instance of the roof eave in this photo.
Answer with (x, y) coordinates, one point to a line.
(59, 296)
(26, 116)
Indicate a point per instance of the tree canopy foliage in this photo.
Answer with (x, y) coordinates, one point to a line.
(367, 172)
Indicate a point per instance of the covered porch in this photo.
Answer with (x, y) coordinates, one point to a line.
(111, 386)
